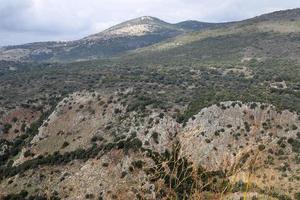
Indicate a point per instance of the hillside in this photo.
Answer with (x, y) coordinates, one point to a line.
(138, 33)
(208, 114)
(118, 39)
(253, 38)
(129, 150)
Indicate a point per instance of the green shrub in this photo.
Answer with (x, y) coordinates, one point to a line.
(161, 115)
(155, 137)
(14, 119)
(28, 153)
(138, 164)
(253, 105)
(261, 147)
(20, 196)
(297, 196)
(294, 127)
(6, 127)
(65, 144)
(207, 140)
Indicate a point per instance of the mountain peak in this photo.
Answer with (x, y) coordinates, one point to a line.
(136, 27)
(146, 18)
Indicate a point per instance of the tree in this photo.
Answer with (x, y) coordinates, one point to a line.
(6, 127)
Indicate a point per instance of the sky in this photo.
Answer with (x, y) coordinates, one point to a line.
(24, 21)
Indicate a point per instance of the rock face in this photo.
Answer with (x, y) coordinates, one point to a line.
(219, 133)
(84, 115)
(253, 142)
(249, 143)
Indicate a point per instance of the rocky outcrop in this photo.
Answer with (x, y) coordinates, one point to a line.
(251, 143)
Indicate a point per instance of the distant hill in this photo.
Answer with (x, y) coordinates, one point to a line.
(271, 35)
(129, 35)
(196, 25)
(291, 14)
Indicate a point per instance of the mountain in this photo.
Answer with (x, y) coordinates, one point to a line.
(252, 38)
(118, 39)
(196, 25)
(208, 114)
(291, 15)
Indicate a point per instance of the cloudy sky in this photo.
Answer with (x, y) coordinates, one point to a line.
(23, 21)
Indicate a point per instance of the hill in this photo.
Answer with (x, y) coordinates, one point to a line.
(116, 40)
(210, 114)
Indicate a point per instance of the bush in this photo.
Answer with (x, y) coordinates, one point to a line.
(261, 147)
(155, 137)
(28, 153)
(138, 164)
(295, 145)
(140, 103)
(14, 119)
(65, 144)
(294, 127)
(23, 126)
(161, 115)
(20, 196)
(33, 129)
(96, 138)
(297, 196)
(6, 127)
(89, 196)
(207, 140)
(247, 126)
(253, 105)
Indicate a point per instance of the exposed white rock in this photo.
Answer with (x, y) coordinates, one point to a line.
(214, 137)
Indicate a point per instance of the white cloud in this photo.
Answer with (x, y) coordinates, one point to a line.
(37, 20)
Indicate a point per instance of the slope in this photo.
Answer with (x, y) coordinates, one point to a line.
(128, 35)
